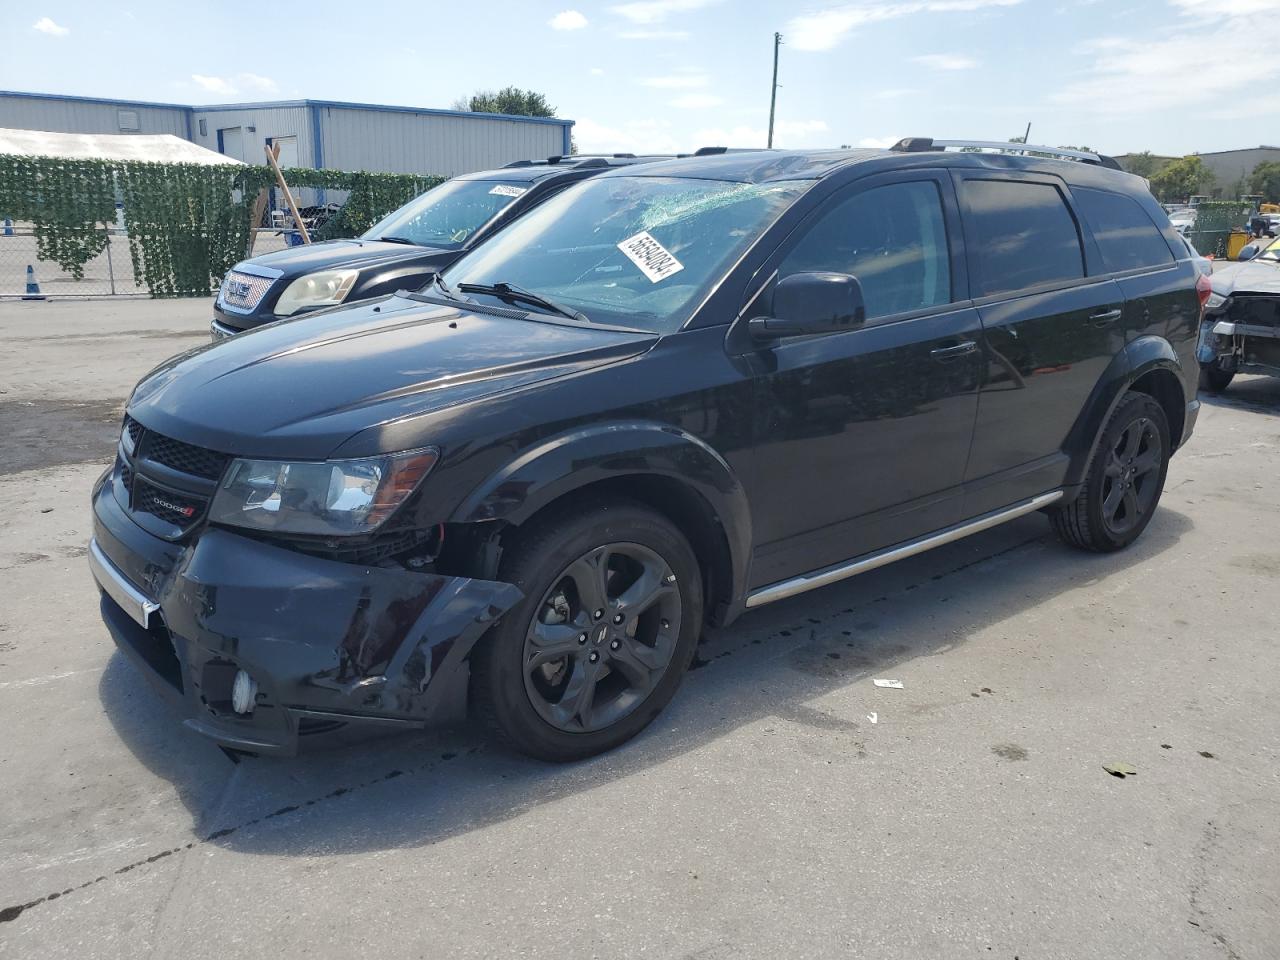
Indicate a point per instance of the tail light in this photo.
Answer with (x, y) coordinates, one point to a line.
(1203, 289)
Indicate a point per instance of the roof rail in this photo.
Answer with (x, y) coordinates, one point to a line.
(926, 144)
(518, 163)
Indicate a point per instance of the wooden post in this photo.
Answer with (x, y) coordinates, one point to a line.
(259, 208)
(288, 196)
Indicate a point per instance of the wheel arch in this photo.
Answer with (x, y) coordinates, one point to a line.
(661, 466)
(1147, 365)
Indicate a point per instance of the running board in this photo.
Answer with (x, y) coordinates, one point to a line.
(827, 575)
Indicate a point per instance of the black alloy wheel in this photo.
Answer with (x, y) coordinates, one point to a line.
(1125, 478)
(609, 622)
(604, 634)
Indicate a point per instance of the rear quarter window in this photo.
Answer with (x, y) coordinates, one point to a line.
(1019, 234)
(1127, 237)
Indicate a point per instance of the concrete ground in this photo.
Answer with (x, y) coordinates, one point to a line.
(783, 806)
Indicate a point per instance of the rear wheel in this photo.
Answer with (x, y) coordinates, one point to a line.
(1213, 379)
(605, 632)
(1125, 479)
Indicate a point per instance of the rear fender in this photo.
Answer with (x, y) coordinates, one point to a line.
(1138, 358)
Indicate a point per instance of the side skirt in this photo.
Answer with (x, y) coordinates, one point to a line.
(842, 571)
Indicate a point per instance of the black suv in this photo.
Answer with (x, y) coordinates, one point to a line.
(670, 394)
(401, 251)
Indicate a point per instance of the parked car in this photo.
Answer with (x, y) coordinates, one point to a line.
(401, 251)
(1241, 329)
(670, 394)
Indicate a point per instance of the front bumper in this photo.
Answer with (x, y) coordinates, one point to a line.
(328, 643)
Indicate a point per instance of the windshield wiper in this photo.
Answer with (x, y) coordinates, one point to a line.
(412, 243)
(507, 291)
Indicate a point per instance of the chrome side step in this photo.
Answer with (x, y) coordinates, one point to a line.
(842, 571)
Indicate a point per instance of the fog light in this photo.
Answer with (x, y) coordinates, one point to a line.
(244, 693)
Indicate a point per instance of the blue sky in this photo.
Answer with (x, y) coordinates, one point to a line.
(1172, 76)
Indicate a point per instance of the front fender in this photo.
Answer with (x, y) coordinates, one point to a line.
(1138, 358)
(610, 451)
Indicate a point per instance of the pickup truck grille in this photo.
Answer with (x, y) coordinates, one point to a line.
(242, 292)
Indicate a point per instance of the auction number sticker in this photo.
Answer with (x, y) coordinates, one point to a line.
(506, 190)
(654, 260)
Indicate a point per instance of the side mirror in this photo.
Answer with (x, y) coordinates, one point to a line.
(808, 303)
(1248, 251)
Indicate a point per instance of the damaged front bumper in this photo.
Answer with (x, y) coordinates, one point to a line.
(326, 643)
(1237, 345)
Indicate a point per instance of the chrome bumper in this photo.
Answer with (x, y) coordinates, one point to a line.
(131, 600)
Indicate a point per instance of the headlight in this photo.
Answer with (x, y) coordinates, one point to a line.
(324, 289)
(1215, 301)
(328, 498)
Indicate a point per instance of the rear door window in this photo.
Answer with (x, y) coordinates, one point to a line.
(1127, 238)
(892, 238)
(1019, 234)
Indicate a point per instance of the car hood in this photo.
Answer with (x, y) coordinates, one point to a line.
(340, 253)
(1252, 276)
(298, 388)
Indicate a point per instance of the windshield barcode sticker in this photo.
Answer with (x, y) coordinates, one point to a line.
(654, 260)
(506, 190)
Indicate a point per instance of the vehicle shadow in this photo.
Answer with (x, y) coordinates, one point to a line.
(410, 790)
(1260, 393)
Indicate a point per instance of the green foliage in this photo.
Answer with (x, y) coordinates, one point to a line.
(1142, 164)
(1180, 179)
(1265, 180)
(187, 224)
(509, 100)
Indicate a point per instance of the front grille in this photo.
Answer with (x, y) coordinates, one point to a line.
(184, 457)
(133, 430)
(126, 476)
(242, 292)
(178, 509)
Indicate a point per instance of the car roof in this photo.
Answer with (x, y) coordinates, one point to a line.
(531, 171)
(756, 166)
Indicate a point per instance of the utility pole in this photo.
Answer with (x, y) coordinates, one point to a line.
(773, 93)
(1026, 137)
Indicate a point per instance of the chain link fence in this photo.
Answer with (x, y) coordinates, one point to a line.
(110, 274)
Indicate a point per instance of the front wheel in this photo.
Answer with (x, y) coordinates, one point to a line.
(1125, 479)
(1213, 379)
(609, 622)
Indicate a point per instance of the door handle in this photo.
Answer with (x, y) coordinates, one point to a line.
(1105, 318)
(954, 351)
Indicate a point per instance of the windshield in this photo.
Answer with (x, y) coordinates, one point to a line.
(1272, 252)
(637, 252)
(445, 216)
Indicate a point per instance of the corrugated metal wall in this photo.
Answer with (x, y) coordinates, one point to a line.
(404, 142)
(22, 112)
(269, 123)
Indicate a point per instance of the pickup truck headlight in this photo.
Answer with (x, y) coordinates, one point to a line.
(1215, 301)
(327, 288)
(325, 498)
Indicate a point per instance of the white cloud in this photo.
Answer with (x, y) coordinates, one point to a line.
(635, 136)
(945, 61)
(240, 83)
(567, 20)
(656, 11)
(1131, 76)
(786, 133)
(697, 101)
(676, 81)
(879, 143)
(597, 72)
(892, 93)
(826, 28)
(45, 25)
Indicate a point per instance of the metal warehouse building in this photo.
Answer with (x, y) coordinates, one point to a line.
(311, 133)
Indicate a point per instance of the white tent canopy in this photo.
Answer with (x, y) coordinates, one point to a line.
(154, 148)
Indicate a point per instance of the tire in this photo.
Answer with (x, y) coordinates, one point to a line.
(1213, 379)
(531, 673)
(1133, 449)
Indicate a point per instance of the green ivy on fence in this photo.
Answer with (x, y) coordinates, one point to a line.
(187, 224)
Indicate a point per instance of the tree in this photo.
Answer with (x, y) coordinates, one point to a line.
(509, 100)
(1142, 164)
(1265, 180)
(1180, 179)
